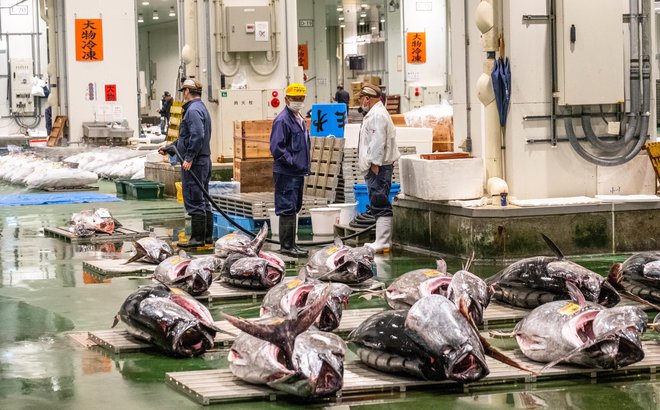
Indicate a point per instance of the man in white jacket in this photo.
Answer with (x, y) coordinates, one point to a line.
(377, 152)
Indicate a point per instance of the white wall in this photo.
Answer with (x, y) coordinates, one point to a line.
(21, 46)
(119, 65)
(395, 52)
(158, 44)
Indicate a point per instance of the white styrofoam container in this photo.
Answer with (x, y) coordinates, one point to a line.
(438, 180)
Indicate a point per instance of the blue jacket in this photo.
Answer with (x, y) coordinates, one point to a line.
(194, 131)
(290, 145)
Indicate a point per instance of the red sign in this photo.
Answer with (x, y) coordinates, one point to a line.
(303, 56)
(111, 92)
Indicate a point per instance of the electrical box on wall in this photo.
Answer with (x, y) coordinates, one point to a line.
(273, 103)
(590, 67)
(21, 75)
(248, 29)
(419, 96)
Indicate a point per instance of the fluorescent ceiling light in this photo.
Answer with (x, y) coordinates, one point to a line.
(172, 13)
(341, 18)
(363, 15)
(362, 22)
(140, 18)
(340, 8)
(342, 25)
(145, 3)
(155, 16)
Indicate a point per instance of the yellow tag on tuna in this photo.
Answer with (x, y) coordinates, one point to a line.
(569, 309)
(178, 291)
(293, 283)
(277, 321)
(431, 273)
(331, 250)
(176, 259)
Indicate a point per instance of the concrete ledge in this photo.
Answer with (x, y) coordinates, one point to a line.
(513, 232)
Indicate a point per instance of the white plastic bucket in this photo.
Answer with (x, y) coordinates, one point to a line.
(348, 212)
(324, 220)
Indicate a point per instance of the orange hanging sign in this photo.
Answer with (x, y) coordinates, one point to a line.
(416, 48)
(303, 56)
(89, 40)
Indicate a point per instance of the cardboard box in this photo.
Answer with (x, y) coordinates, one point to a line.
(399, 120)
(372, 79)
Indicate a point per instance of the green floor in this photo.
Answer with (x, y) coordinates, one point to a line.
(44, 295)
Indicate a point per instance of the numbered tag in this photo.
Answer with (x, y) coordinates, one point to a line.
(294, 283)
(103, 213)
(178, 291)
(277, 321)
(431, 273)
(331, 250)
(569, 309)
(176, 260)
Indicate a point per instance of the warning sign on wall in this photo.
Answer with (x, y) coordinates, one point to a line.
(416, 48)
(111, 92)
(303, 56)
(89, 40)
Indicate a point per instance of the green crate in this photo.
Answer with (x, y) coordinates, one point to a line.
(122, 185)
(145, 190)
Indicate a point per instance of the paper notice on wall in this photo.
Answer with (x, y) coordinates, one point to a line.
(110, 113)
(413, 76)
(261, 31)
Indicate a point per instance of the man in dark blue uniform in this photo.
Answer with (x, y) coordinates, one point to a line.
(290, 146)
(194, 145)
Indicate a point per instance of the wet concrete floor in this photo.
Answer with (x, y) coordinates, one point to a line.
(45, 297)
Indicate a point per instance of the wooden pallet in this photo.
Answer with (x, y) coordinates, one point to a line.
(221, 386)
(57, 132)
(326, 157)
(120, 234)
(117, 267)
(255, 205)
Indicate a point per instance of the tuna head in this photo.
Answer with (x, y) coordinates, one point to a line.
(234, 242)
(318, 358)
(172, 269)
(435, 323)
(332, 312)
(151, 250)
(257, 361)
(259, 270)
(414, 285)
(652, 271)
(470, 294)
(621, 327)
(358, 263)
(580, 280)
(199, 274)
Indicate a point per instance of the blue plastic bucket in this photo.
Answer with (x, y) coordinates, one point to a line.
(362, 195)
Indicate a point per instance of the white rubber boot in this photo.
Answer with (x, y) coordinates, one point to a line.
(383, 235)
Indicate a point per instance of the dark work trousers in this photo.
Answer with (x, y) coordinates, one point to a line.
(193, 198)
(379, 187)
(288, 194)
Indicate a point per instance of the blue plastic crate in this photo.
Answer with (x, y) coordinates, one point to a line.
(222, 227)
(362, 195)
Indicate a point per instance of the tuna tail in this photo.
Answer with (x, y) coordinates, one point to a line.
(489, 349)
(601, 338)
(553, 246)
(259, 239)
(283, 332)
(115, 320)
(615, 278)
(139, 253)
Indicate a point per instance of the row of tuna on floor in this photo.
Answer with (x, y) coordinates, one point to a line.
(431, 332)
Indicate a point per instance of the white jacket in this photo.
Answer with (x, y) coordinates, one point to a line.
(377, 144)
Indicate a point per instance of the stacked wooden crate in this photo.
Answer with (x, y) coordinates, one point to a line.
(176, 116)
(326, 159)
(351, 175)
(393, 104)
(253, 164)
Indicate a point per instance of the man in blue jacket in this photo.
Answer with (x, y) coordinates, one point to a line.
(290, 146)
(194, 145)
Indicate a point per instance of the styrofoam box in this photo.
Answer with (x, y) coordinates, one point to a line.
(438, 180)
(420, 138)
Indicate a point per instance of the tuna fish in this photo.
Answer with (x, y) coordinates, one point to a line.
(469, 293)
(251, 272)
(198, 275)
(151, 250)
(341, 263)
(588, 335)
(239, 243)
(638, 277)
(317, 368)
(554, 275)
(414, 285)
(89, 222)
(172, 269)
(286, 298)
(432, 340)
(174, 322)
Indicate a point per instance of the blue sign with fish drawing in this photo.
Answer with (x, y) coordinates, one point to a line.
(328, 119)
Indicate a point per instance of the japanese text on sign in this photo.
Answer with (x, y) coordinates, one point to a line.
(416, 47)
(89, 40)
(328, 119)
(111, 92)
(303, 57)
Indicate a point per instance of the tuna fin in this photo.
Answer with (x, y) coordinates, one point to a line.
(553, 246)
(441, 266)
(488, 348)
(604, 336)
(500, 334)
(115, 320)
(302, 273)
(338, 242)
(259, 238)
(575, 293)
(369, 294)
(282, 332)
(139, 253)
(615, 277)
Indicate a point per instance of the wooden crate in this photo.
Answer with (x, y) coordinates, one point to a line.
(653, 150)
(252, 139)
(399, 120)
(393, 105)
(255, 175)
(443, 135)
(57, 132)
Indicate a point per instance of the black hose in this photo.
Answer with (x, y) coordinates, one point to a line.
(251, 234)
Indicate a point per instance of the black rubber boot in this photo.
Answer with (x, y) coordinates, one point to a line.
(288, 237)
(208, 235)
(197, 231)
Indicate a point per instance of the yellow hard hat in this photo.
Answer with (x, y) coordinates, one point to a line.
(296, 90)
